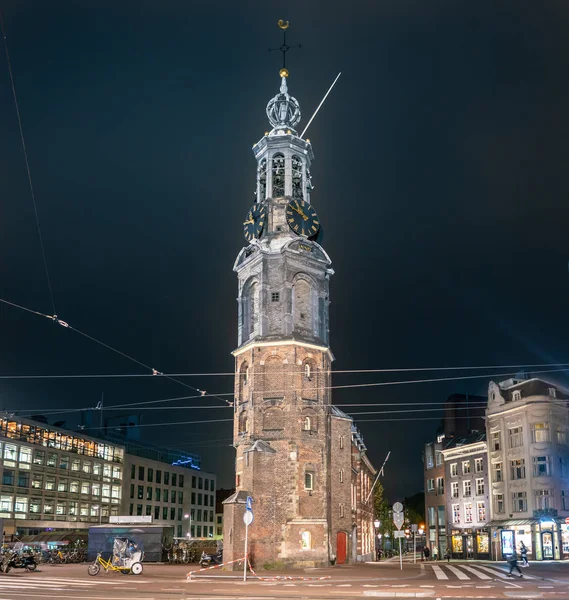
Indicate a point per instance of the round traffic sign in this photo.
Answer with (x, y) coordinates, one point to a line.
(248, 517)
(566, 520)
(397, 507)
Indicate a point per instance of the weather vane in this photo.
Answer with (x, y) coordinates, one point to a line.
(284, 48)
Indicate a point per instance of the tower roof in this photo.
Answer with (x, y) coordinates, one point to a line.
(283, 110)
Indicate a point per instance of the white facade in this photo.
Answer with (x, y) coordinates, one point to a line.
(527, 428)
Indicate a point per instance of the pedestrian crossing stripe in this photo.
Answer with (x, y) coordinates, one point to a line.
(464, 572)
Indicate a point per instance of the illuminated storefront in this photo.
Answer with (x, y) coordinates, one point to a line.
(545, 539)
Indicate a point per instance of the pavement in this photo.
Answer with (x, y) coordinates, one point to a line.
(472, 579)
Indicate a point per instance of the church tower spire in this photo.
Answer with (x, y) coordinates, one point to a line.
(283, 359)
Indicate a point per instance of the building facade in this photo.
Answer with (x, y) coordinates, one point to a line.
(293, 449)
(176, 496)
(467, 496)
(56, 479)
(435, 504)
(527, 428)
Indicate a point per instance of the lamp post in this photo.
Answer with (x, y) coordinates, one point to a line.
(376, 524)
(189, 532)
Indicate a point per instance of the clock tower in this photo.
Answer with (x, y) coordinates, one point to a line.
(284, 424)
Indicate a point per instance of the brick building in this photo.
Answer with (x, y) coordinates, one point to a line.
(294, 450)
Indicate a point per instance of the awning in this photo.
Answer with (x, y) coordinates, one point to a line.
(59, 536)
(511, 523)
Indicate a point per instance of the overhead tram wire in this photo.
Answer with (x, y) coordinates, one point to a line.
(27, 163)
(232, 373)
(154, 371)
(383, 383)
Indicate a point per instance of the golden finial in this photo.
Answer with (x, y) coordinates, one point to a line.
(283, 73)
(282, 24)
(284, 48)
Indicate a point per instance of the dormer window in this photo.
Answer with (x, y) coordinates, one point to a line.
(552, 392)
(517, 395)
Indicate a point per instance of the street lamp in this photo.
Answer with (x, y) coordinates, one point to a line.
(377, 542)
(189, 516)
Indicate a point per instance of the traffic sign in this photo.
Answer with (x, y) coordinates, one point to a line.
(566, 520)
(249, 503)
(398, 534)
(248, 517)
(398, 519)
(414, 527)
(397, 507)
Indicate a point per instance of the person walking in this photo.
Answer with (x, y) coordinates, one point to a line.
(447, 555)
(435, 553)
(426, 552)
(513, 562)
(524, 553)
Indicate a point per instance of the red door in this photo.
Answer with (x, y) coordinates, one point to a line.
(342, 547)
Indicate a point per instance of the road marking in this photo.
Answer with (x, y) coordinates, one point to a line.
(457, 572)
(494, 572)
(439, 572)
(502, 572)
(476, 572)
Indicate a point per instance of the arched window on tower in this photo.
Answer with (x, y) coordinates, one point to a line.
(278, 173)
(307, 423)
(297, 177)
(262, 174)
(250, 310)
(243, 381)
(243, 423)
(309, 382)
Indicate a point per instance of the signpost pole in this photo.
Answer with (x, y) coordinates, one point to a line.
(400, 555)
(245, 561)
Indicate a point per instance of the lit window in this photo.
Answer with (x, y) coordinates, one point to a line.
(456, 513)
(306, 425)
(481, 510)
(306, 540)
(540, 432)
(465, 467)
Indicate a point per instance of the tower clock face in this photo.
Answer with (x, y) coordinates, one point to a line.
(302, 218)
(254, 222)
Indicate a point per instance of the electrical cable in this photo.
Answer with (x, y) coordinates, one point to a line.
(66, 325)
(28, 170)
(232, 373)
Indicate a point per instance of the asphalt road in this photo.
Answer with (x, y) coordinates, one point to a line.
(384, 580)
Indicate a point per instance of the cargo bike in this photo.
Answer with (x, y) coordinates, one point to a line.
(127, 558)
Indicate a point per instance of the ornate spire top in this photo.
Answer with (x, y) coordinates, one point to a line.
(283, 110)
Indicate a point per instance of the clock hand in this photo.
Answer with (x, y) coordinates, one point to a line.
(251, 222)
(299, 211)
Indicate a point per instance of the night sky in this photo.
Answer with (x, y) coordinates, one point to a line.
(440, 178)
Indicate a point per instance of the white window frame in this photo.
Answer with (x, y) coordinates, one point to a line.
(480, 486)
(456, 513)
(454, 470)
(466, 488)
(454, 489)
(468, 517)
(466, 467)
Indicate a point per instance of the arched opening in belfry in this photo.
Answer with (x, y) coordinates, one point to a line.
(278, 174)
(297, 187)
(262, 174)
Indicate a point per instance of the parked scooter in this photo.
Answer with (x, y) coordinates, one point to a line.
(18, 561)
(210, 560)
